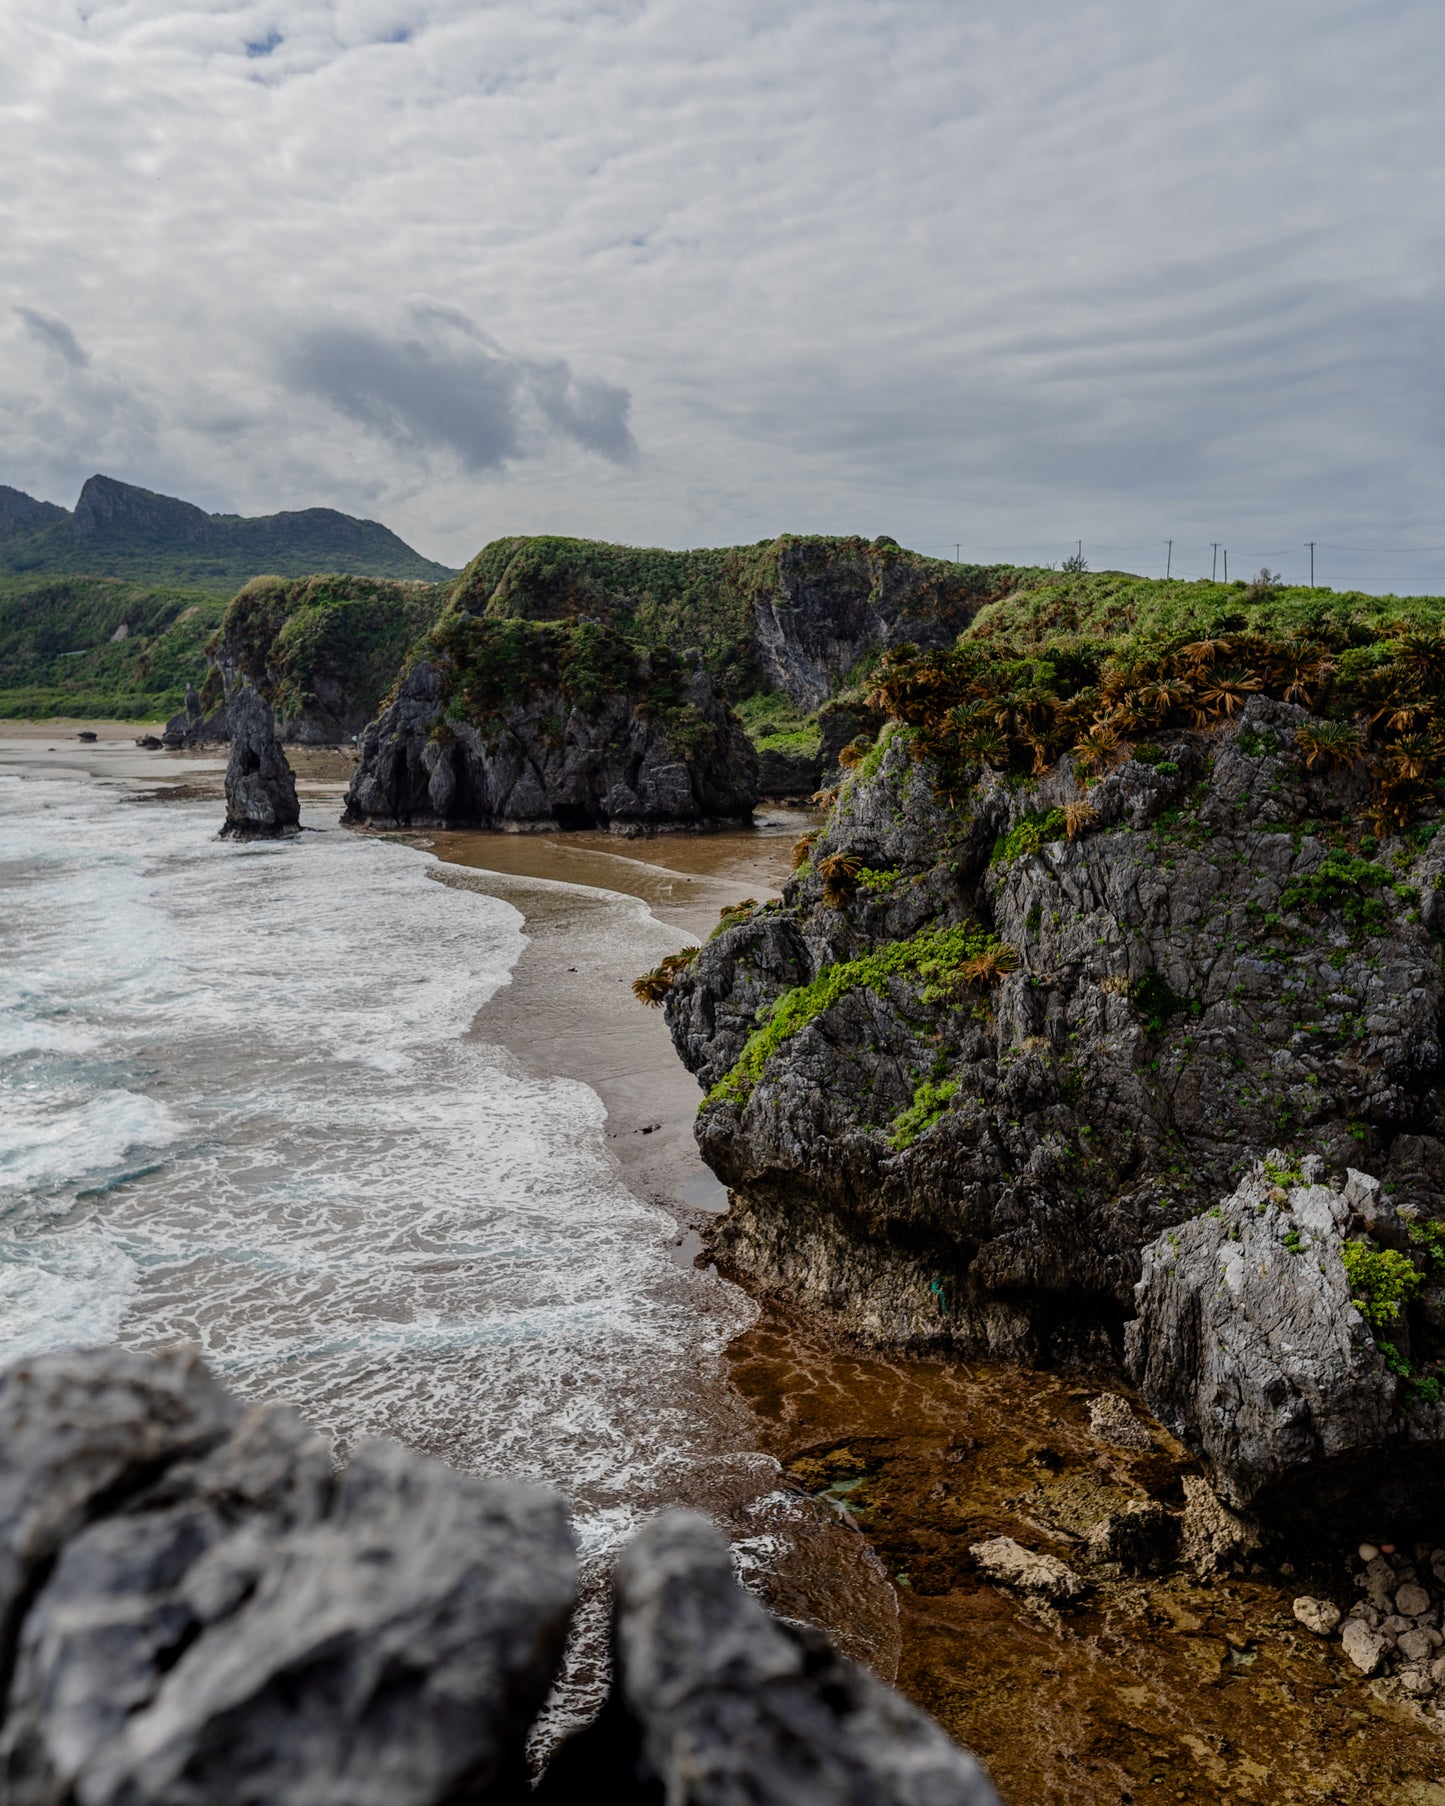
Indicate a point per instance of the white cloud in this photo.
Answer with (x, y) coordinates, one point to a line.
(981, 272)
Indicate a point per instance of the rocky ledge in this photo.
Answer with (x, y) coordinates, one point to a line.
(1008, 1044)
(195, 1610)
(521, 724)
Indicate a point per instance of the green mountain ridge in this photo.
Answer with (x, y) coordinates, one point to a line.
(119, 530)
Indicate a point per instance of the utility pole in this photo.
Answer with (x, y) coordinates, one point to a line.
(1079, 550)
(1214, 561)
(1226, 564)
(1312, 564)
(958, 552)
(1169, 561)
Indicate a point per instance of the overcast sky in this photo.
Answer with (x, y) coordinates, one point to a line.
(1009, 273)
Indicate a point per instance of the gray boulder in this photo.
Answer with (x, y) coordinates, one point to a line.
(1248, 1346)
(208, 1616)
(260, 788)
(715, 1702)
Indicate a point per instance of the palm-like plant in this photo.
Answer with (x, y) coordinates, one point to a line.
(1329, 743)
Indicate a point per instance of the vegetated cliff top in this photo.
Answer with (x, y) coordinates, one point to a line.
(119, 530)
(711, 598)
(334, 642)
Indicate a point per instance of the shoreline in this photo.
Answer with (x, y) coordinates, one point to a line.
(1160, 1688)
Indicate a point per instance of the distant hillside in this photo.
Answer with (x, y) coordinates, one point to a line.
(100, 647)
(118, 530)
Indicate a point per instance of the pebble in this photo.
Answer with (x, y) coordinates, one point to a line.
(1362, 1645)
(1368, 1552)
(1410, 1601)
(1321, 1615)
(1415, 1645)
(1416, 1681)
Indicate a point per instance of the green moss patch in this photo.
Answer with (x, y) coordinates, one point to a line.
(929, 963)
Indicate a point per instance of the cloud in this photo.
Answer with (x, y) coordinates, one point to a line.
(53, 333)
(444, 386)
(992, 274)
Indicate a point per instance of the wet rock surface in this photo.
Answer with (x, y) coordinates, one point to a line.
(197, 1611)
(549, 762)
(1184, 1681)
(716, 1701)
(261, 799)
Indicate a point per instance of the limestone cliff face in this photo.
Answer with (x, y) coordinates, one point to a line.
(654, 747)
(832, 602)
(969, 1067)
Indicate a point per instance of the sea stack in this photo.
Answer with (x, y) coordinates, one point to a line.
(260, 789)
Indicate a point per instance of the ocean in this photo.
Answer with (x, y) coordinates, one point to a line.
(243, 1108)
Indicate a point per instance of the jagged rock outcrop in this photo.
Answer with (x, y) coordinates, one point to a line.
(260, 788)
(714, 1701)
(979, 1057)
(834, 601)
(323, 651)
(656, 747)
(195, 1610)
(1250, 1346)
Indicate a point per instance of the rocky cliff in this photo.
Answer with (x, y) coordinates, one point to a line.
(1026, 1016)
(794, 614)
(518, 724)
(195, 1610)
(323, 651)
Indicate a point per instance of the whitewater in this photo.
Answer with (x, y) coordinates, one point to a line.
(243, 1109)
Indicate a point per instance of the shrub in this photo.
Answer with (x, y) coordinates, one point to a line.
(930, 1101)
(652, 988)
(1381, 1280)
(930, 962)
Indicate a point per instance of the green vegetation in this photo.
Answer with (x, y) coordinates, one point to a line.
(59, 654)
(930, 1101)
(491, 666)
(1381, 1280)
(1016, 704)
(1033, 831)
(336, 642)
(118, 530)
(1048, 606)
(706, 598)
(774, 724)
(1342, 883)
(934, 964)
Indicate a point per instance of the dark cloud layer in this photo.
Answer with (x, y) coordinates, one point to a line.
(55, 335)
(443, 387)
